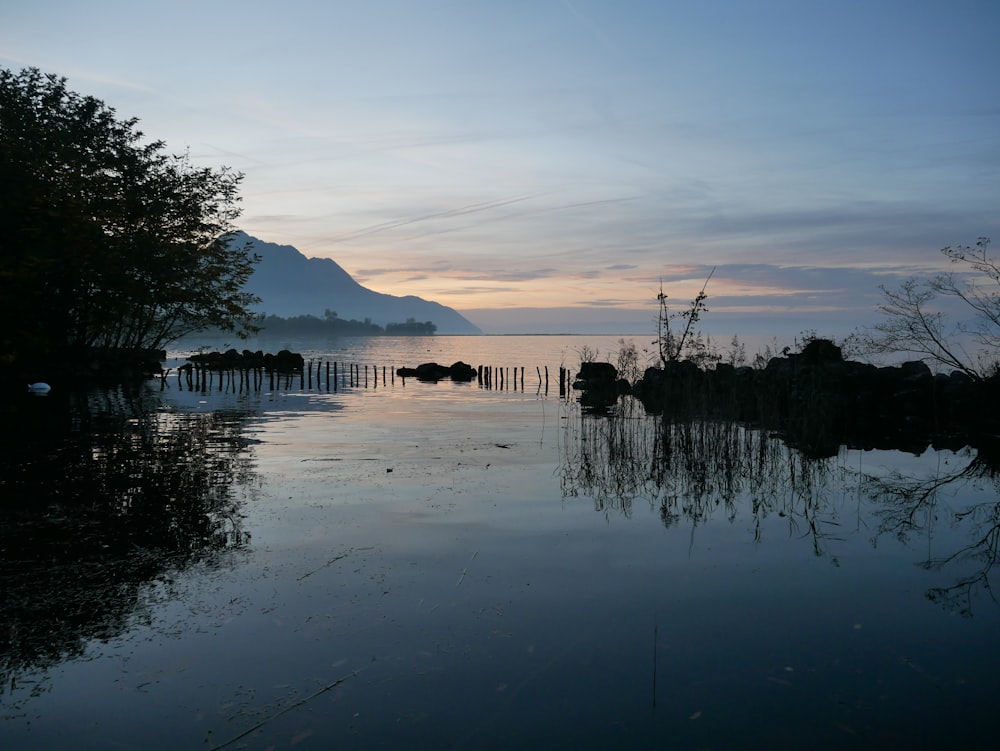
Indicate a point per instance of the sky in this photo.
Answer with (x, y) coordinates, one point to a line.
(550, 165)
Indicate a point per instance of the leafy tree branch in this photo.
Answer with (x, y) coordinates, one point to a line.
(106, 240)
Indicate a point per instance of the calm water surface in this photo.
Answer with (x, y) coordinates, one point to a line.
(445, 566)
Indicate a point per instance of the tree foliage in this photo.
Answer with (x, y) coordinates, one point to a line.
(915, 324)
(411, 327)
(332, 325)
(107, 240)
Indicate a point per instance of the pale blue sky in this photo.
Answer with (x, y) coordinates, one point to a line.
(571, 153)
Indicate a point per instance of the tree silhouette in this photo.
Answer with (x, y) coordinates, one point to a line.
(107, 240)
(913, 324)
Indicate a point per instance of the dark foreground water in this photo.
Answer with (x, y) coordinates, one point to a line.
(443, 566)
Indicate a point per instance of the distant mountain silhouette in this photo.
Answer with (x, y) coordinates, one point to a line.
(289, 284)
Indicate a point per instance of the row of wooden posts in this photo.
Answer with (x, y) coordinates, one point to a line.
(333, 376)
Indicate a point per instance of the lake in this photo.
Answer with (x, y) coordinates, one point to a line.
(442, 565)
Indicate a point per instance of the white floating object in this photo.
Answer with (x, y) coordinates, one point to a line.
(39, 388)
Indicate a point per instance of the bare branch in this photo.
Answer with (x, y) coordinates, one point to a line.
(912, 325)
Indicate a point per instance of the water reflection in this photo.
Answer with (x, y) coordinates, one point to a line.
(959, 496)
(107, 496)
(691, 470)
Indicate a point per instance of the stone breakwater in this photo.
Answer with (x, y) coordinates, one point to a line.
(431, 371)
(283, 361)
(816, 400)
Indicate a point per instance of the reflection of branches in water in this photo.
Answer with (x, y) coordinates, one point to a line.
(607, 459)
(983, 550)
(109, 495)
(692, 468)
(909, 506)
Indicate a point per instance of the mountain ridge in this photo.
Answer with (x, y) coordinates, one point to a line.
(290, 284)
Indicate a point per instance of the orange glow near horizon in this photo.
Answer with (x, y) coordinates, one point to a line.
(600, 292)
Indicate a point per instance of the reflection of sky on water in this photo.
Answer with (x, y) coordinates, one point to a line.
(424, 546)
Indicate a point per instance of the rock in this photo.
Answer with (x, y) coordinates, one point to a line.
(282, 362)
(432, 372)
(815, 399)
(460, 371)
